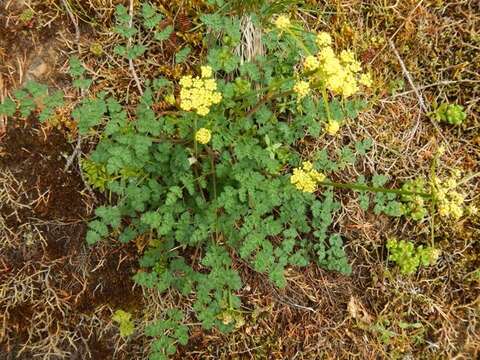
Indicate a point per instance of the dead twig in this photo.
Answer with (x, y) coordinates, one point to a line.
(78, 147)
(75, 23)
(419, 96)
(406, 73)
(439, 83)
(396, 32)
(74, 154)
(74, 20)
(130, 61)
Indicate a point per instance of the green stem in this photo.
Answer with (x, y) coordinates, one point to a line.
(327, 105)
(194, 167)
(433, 169)
(214, 177)
(267, 97)
(214, 184)
(361, 187)
(299, 42)
(195, 146)
(197, 179)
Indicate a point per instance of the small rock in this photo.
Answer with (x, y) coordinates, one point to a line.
(37, 69)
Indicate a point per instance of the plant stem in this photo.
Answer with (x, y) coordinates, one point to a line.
(214, 177)
(299, 42)
(267, 97)
(130, 61)
(361, 187)
(433, 169)
(195, 146)
(214, 184)
(327, 105)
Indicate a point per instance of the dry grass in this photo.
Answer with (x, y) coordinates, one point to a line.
(375, 313)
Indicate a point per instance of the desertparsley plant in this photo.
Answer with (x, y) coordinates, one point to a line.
(204, 184)
(219, 180)
(408, 257)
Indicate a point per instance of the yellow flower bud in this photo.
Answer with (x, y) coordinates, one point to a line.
(472, 210)
(311, 63)
(170, 99)
(207, 71)
(323, 39)
(301, 88)
(203, 136)
(282, 22)
(366, 80)
(332, 127)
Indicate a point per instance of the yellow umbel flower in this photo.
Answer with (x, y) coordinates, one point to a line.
(349, 85)
(306, 178)
(323, 39)
(317, 176)
(328, 55)
(354, 67)
(340, 74)
(335, 81)
(199, 94)
(332, 127)
(450, 203)
(307, 166)
(207, 71)
(311, 63)
(301, 88)
(347, 57)
(203, 136)
(366, 80)
(303, 181)
(186, 81)
(282, 22)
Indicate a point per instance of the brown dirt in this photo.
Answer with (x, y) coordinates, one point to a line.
(85, 280)
(47, 273)
(36, 159)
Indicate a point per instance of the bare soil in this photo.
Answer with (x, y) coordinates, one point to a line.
(83, 279)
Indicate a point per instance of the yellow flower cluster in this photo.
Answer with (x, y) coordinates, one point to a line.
(332, 127)
(323, 39)
(301, 88)
(199, 93)
(203, 136)
(472, 210)
(282, 22)
(306, 178)
(366, 80)
(206, 71)
(449, 201)
(340, 74)
(311, 63)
